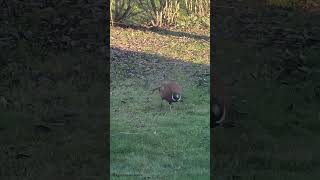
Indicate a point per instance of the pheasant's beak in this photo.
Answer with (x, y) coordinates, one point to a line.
(178, 95)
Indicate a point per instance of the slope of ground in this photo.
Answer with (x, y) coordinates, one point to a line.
(147, 141)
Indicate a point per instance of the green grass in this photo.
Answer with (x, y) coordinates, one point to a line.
(162, 143)
(147, 141)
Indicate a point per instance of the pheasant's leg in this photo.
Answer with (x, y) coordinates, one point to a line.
(161, 104)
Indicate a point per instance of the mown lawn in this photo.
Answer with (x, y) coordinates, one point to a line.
(147, 141)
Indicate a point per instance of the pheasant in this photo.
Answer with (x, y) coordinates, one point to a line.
(170, 91)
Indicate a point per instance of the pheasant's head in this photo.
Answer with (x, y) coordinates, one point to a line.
(176, 97)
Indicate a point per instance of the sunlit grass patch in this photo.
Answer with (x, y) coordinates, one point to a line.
(180, 47)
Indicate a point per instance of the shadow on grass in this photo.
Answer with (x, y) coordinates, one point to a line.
(140, 64)
(163, 31)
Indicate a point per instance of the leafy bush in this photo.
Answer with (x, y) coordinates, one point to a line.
(197, 7)
(161, 12)
(186, 22)
(121, 10)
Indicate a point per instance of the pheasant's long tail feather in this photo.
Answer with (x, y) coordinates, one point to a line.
(157, 88)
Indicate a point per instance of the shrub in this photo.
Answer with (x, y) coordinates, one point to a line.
(161, 12)
(121, 10)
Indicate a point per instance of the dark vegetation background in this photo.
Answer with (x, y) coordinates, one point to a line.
(53, 69)
(268, 54)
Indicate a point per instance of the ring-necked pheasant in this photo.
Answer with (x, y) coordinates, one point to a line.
(170, 91)
(218, 107)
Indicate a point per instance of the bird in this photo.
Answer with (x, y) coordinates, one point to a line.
(218, 107)
(169, 91)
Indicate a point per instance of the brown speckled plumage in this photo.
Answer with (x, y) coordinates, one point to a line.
(169, 90)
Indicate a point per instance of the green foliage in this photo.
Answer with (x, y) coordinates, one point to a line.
(194, 21)
(162, 13)
(122, 10)
(197, 7)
